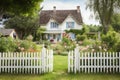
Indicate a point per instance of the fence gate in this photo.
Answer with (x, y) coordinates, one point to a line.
(93, 62)
(27, 62)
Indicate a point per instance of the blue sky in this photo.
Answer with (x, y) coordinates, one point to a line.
(71, 4)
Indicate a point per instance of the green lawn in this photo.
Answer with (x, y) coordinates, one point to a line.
(60, 73)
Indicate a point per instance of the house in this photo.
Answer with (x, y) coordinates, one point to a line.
(57, 21)
(2, 22)
(8, 33)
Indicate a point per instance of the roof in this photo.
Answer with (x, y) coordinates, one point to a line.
(59, 16)
(6, 31)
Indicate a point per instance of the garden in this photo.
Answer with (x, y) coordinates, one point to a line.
(91, 38)
(91, 43)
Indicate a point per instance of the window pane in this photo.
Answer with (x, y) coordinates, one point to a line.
(54, 25)
(69, 24)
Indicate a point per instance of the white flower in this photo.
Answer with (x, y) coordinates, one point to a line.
(18, 47)
(93, 50)
(105, 49)
(100, 47)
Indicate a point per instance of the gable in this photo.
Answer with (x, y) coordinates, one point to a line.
(70, 18)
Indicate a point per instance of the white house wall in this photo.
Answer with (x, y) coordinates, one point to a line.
(70, 19)
(49, 28)
(11, 35)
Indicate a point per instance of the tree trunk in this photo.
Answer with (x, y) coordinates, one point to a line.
(40, 38)
(1, 15)
(105, 28)
(21, 35)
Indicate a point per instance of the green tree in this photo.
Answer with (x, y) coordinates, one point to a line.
(18, 7)
(104, 9)
(116, 22)
(94, 28)
(24, 26)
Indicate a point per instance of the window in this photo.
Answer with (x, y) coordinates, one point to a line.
(69, 24)
(54, 25)
(72, 35)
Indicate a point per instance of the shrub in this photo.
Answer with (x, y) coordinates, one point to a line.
(88, 42)
(117, 47)
(7, 45)
(58, 48)
(12, 45)
(30, 38)
(47, 43)
(26, 45)
(98, 46)
(80, 37)
(75, 31)
(111, 39)
(68, 44)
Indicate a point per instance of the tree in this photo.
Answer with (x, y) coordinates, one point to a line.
(104, 9)
(24, 26)
(39, 32)
(116, 22)
(94, 28)
(18, 7)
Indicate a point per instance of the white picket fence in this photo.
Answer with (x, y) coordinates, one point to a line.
(93, 62)
(27, 62)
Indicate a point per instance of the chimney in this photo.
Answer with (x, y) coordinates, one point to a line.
(78, 9)
(54, 9)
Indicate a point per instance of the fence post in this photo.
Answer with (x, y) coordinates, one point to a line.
(119, 62)
(69, 62)
(51, 54)
(43, 58)
(75, 52)
(76, 59)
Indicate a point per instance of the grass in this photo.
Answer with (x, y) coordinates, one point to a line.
(60, 73)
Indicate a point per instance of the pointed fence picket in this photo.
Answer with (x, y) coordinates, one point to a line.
(27, 62)
(93, 62)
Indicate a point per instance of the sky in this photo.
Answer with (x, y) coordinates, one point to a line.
(87, 15)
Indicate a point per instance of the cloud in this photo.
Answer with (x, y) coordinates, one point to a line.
(69, 4)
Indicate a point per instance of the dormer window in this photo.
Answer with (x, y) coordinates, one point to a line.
(53, 25)
(70, 24)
